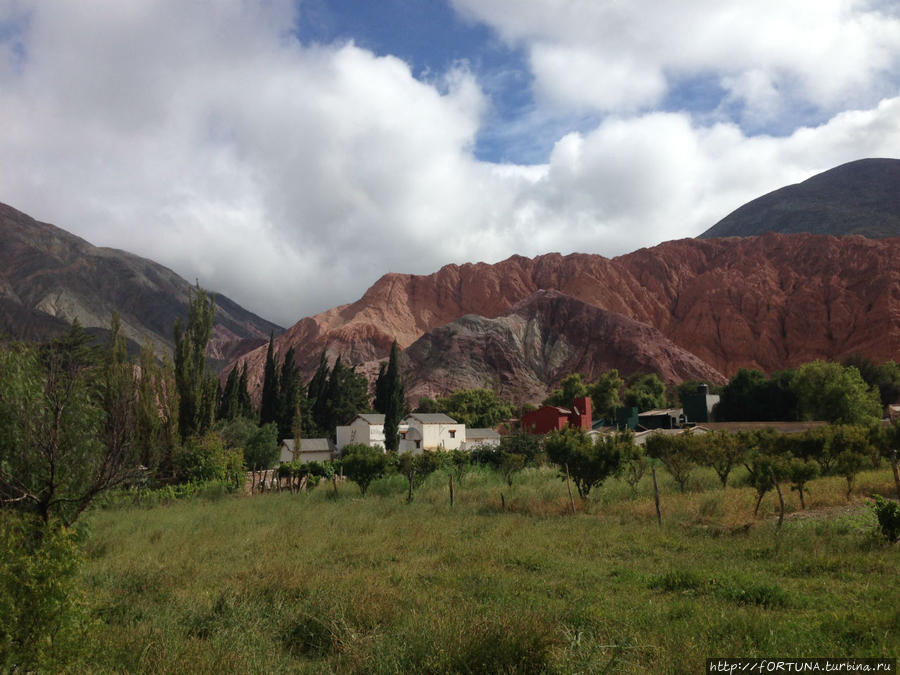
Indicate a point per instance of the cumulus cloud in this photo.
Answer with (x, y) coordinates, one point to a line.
(291, 176)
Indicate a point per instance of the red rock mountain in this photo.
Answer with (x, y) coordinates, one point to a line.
(766, 302)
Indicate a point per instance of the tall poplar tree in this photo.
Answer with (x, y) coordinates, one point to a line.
(195, 392)
(394, 394)
(288, 395)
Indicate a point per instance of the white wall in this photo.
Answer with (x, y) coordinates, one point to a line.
(360, 431)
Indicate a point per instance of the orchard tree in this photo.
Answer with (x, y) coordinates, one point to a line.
(675, 452)
(588, 463)
(363, 464)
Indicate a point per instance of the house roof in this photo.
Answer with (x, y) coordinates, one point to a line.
(661, 411)
(431, 418)
(371, 418)
(474, 434)
(309, 444)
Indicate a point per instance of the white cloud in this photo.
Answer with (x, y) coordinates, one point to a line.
(290, 177)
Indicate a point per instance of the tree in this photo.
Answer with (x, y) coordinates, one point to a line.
(289, 395)
(363, 464)
(196, 388)
(206, 458)
(851, 451)
(750, 396)
(268, 406)
(719, 450)
(317, 397)
(392, 400)
(675, 454)
(570, 388)
(834, 393)
(634, 464)
(476, 408)
(229, 404)
(245, 403)
(346, 395)
(65, 425)
(800, 472)
(645, 392)
(604, 394)
(416, 468)
(886, 376)
(588, 463)
(261, 448)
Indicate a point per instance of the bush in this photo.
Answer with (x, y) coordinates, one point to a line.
(42, 613)
(888, 514)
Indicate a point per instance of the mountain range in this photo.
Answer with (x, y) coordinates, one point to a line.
(49, 278)
(768, 287)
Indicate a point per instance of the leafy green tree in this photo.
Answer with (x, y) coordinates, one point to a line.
(268, 406)
(763, 469)
(229, 404)
(245, 403)
(527, 445)
(645, 392)
(43, 613)
(634, 463)
(886, 376)
(261, 451)
(476, 408)
(206, 458)
(317, 400)
(346, 396)
(675, 453)
(800, 472)
(719, 450)
(604, 394)
(851, 452)
(416, 468)
(196, 388)
(363, 464)
(571, 387)
(66, 426)
(834, 393)
(751, 396)
(589, 463)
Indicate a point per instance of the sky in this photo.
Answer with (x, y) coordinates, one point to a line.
(287, 153)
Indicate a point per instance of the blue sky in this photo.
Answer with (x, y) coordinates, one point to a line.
(288, 153)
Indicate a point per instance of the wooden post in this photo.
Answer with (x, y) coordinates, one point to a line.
(451, 489)
(569, 487)
(334, 483)
(780, 501)
(502, 502)
(896, 472)
(656, 496)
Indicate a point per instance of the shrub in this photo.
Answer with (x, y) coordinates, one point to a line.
(888, 514)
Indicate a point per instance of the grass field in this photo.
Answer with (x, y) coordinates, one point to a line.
(313, 583)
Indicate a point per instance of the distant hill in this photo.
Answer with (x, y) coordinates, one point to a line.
(767, 302)
(861, 197)
(49, 277)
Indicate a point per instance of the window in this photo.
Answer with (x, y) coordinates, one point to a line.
(418, 444)
(453, 433)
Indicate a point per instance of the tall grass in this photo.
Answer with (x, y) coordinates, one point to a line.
(318, 583)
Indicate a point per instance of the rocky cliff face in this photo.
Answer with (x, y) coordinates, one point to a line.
(49, 278)
(764, 302)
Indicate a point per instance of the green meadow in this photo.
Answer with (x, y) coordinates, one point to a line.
(320, 583)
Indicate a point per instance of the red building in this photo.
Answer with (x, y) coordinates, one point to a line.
(550, 417)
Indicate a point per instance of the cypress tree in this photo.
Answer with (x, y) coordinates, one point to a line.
(395, 403)
(245, 403)
(268, 406)
(317, 397)
(228, 403)
(288, 395)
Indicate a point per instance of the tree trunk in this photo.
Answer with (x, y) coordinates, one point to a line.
(451, 489)
(569, 488)
(656, 496)
(780, 501)
(896, 472)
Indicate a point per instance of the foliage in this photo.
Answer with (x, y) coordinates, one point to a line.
(363, 464)
(390, 399)
(835, 393)
(800, 472)
(719, 450)
(851, 451)
(268, 405)
(885, 377)
(261, 449)
(527, 445)
(197, 389)
(476, 408)
(675, 452)
(888, 514)
(156, 423)
(604, 394)
(588, 463)
(645, 392)
(66, 425)
(570, 388)
(346, 395)
(43, 615)
(206, 458)
(751, 396)
(634, 465)
(416, 468)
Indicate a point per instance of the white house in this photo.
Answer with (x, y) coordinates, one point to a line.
(311, 450)
(365, 429)
(477, 437)
(430, 431)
